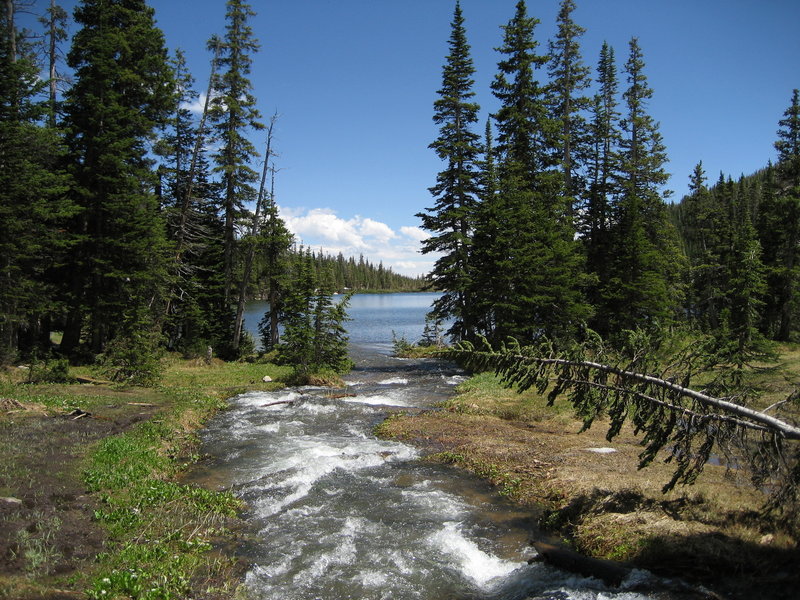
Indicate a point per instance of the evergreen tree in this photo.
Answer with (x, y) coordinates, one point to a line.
(234, 114)
(314, 337)
(123, 93)
(297, 346)
(568, 78)
(597, 220)
(526, 138)
(780, 229)
(489, 282)
(642, 287)
(537, 247)
(704, 224)
(276, 242)
(739, 339)
(456, 189)
(788, 145)
(33, 203)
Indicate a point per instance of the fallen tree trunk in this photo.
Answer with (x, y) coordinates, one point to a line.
(610, 572)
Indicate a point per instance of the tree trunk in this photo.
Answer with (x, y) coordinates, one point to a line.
(254, 230)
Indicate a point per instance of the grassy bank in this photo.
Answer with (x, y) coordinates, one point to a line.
(589, 492)
(91, 503)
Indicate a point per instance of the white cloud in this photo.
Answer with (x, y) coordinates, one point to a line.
(321, 226)
(196, 106)
(415, 233)
(376, 229)
(376, 241)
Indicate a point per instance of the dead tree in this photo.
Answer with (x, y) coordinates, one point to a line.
(254, 231)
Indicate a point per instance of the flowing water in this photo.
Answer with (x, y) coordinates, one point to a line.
(341, 514)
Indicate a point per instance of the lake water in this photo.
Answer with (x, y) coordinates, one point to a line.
(374, 318)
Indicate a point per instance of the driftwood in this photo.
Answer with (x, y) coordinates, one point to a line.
(277, 402)
(610, 572)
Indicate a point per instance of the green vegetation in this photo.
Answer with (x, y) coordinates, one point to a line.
(558, 221)
(314, 339)
(160, 535)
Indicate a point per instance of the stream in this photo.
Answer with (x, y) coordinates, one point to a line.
(340, 514)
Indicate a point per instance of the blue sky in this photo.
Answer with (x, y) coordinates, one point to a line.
(354, 81)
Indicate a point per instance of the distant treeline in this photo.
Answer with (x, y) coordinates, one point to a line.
(349, 274)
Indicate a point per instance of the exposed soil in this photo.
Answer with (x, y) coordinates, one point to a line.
(48, 539)
(709, 534)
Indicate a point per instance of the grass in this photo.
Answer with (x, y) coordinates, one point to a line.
(159, 536)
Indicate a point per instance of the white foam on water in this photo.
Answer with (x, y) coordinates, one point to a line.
(378, 400)
(436, 501)
(454, 379)
(394, 381)
(310, 458)
(482, 568)
(303, 512)
(400, 562)
(316, 409)
(268, 428)
(259, 399)
(343, 552)
(280, 567)
(372, 579)
(570, 592)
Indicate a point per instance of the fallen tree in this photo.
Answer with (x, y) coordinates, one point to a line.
(657, 395)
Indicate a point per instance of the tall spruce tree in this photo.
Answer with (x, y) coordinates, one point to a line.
(537, 247)
(33, 202)
(489, 283)
(739, 340)
(122, 95)
(450, 220)
(704, 225)
(234, 115)
(314, 336)
(643, 286)
(569, 77)
(597, 216)
(526, 135)
(780, 229)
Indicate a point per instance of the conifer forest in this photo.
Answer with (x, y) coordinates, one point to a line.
(127, 223)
